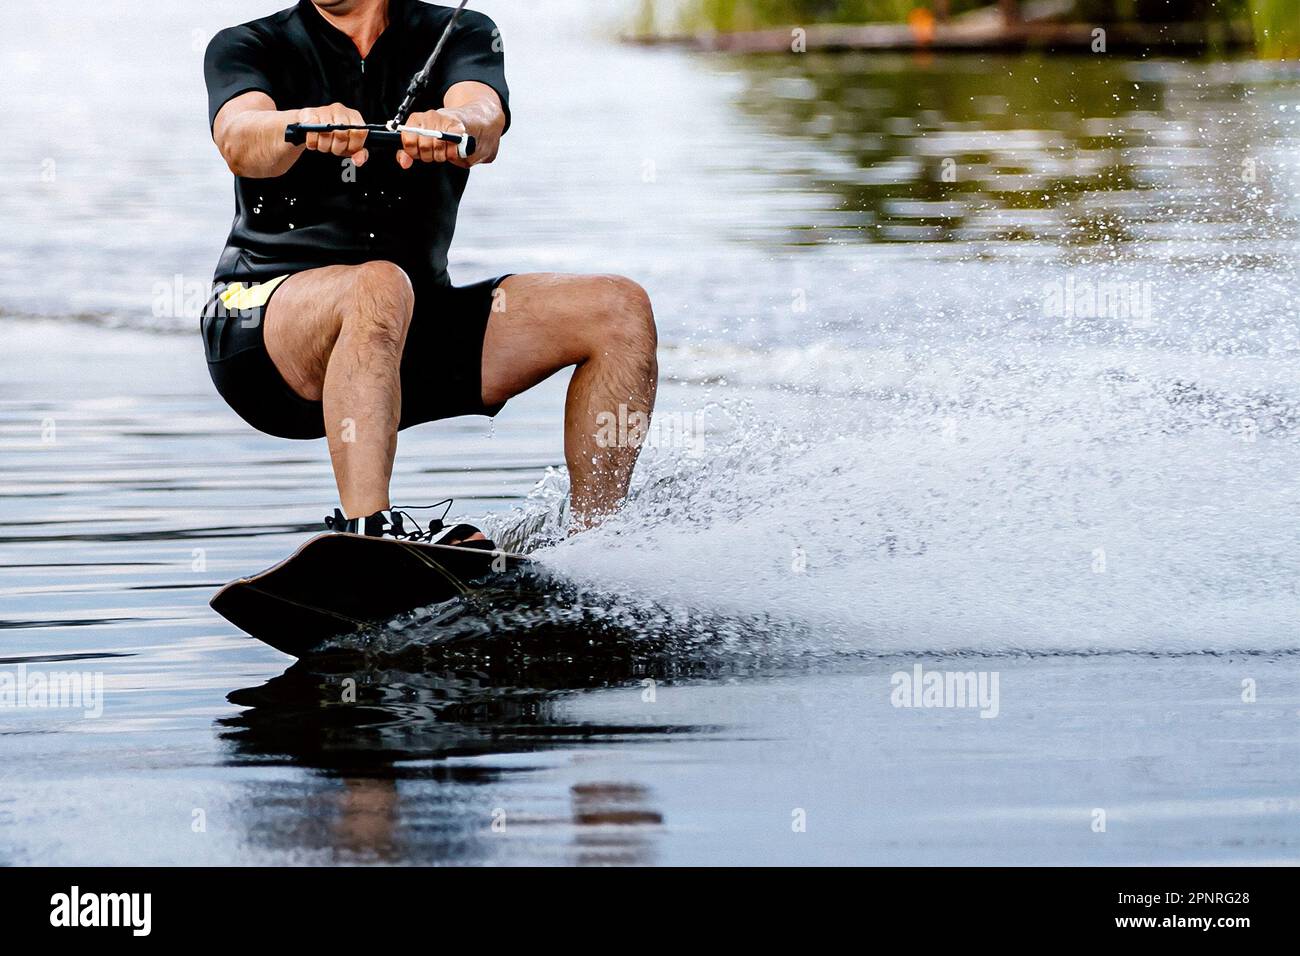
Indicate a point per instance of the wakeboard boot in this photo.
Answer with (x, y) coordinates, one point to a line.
(393, 524)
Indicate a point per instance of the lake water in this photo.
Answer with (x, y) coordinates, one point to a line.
(981, 364)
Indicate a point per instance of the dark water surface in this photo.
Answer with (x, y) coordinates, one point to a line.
(892, 449)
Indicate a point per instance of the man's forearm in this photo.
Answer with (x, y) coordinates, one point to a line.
(485, 122)
(479, 107)
(252, 143)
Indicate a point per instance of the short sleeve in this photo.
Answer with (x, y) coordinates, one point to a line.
(235, 63)
(475, 53)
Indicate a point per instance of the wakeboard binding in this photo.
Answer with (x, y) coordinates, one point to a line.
(393, 524)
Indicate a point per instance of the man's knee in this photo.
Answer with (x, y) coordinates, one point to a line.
(380, 302)
(627, 321)
(383, 283)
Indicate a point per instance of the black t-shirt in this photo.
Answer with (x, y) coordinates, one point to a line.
(324, 211)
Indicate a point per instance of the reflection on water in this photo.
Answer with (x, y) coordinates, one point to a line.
(344, 713)
(1070, 150)
(383, 733)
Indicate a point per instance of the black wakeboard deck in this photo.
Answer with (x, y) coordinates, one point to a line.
(337, 584)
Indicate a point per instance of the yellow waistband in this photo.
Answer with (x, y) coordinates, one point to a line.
(238, 296)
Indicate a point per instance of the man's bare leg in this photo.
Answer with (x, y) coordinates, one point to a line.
(336, 334)
(605, 326)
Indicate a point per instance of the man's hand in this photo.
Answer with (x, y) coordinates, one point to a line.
(472, 108)
(426, 149)
(350, 142)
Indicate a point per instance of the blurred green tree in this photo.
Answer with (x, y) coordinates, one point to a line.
(1277, 27)
(1276, 22)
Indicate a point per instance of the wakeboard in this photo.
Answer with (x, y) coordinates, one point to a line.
(338, 584)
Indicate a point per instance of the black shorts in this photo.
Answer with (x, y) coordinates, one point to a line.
(441, 365)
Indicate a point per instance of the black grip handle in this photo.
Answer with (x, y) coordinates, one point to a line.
(296, 134)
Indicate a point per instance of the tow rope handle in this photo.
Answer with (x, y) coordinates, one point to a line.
(296, 134)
